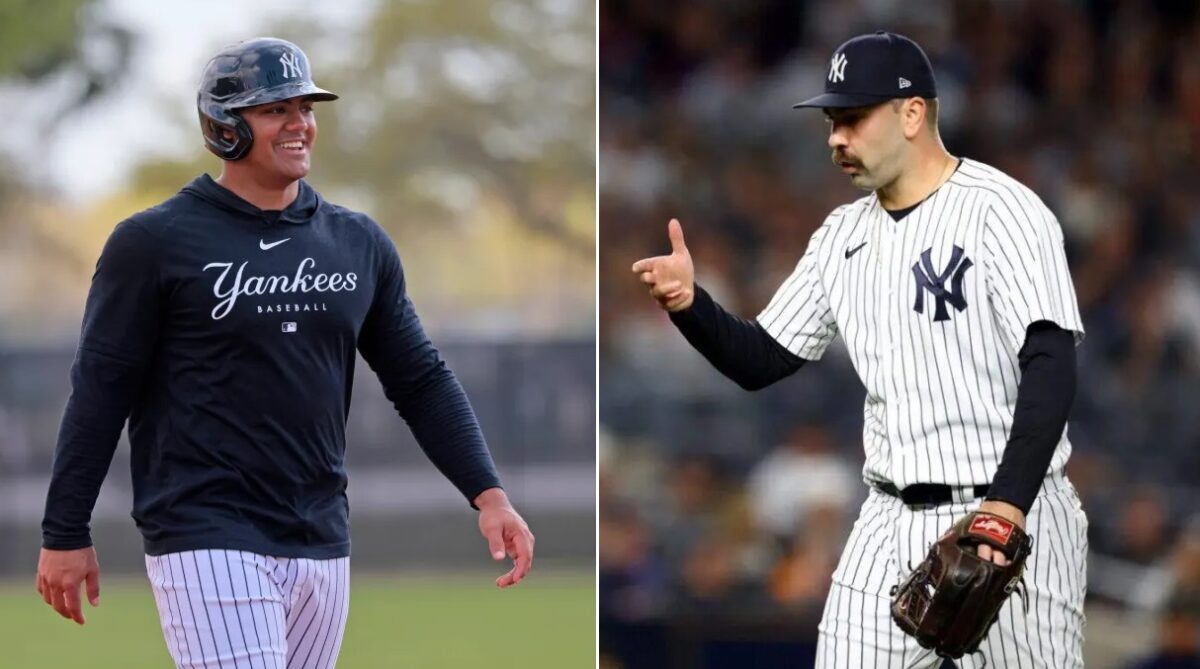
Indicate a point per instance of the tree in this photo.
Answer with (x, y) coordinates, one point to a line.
(474, 97)
(65, 44)
(64, 39)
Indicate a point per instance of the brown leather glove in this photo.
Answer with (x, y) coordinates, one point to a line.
(951, 599)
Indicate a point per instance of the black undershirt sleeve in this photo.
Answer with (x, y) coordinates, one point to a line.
(740, 349)
(743, 351)
(1044, 398)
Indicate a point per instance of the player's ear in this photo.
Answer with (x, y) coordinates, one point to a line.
(912, 112)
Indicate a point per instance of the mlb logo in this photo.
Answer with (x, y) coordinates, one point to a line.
(289, 327)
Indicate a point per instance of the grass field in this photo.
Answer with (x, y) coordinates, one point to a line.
(430, 622)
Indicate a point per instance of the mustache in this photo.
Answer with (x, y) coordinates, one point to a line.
(838, 159)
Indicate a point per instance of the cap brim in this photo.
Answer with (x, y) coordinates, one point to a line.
(838, 100)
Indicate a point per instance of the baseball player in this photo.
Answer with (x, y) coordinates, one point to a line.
(950, 288)
(223, 323)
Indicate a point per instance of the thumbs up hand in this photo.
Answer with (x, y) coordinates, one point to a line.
(671, 278)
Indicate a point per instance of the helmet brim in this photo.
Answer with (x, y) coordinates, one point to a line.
(262, 96)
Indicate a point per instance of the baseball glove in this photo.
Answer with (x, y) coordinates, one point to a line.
(951, 599)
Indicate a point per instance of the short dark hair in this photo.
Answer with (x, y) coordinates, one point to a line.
(931, 112)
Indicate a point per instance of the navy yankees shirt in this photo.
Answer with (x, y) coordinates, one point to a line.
(227, 335)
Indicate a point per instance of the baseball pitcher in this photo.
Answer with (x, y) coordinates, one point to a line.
(949, 286)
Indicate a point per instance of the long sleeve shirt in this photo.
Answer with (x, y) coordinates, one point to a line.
(226, 335)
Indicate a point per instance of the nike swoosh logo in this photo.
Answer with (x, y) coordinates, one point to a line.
(267, 247)
(856, 249)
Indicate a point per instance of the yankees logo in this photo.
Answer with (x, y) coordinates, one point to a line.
(301, 282)
(837, 67)
(291, 65)
(929, 279)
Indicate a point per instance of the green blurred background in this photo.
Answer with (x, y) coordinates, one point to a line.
(433, 621)
(467, 129)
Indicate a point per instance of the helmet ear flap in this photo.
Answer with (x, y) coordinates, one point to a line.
(224, 147)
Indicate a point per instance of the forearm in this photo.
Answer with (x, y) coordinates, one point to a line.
(740, 349)
(444, 424)
(91, 426)
(1044, 398)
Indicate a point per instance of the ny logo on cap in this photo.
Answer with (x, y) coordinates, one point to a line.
(291, 65)
(837, 68)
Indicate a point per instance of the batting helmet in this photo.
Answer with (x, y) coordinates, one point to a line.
(250, 73)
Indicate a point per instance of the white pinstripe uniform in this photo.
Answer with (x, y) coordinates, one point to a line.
(933, 310)
(233, 609)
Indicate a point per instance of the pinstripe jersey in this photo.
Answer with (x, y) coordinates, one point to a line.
(933, 310)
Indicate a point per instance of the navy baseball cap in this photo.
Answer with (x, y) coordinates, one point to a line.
(875, 68)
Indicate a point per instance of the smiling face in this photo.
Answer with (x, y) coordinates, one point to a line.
(869, 143)
(284, 135)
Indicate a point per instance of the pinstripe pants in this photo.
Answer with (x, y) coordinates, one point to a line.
(889, 538)
(232, 609)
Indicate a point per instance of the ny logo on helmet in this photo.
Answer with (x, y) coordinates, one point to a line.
(929, 279)
(837, 68)
(291, 65)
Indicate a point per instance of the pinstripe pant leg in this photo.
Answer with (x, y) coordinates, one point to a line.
(856, 629)
(219, 609)
(318, 595)
(1050, 634)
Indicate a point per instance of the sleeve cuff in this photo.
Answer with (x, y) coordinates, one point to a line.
(474, 490)
(68, 544)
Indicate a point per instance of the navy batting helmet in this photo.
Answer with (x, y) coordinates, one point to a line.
(250, 73)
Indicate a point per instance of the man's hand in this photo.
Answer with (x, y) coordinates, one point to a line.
(671, 278)
(506, 533)
(60, 573)
(1008, 512)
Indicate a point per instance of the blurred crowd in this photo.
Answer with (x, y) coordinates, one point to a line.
(714, 499)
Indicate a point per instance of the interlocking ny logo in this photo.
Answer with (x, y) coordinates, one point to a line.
(837, 68)
(928, 279)
(291, 65)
